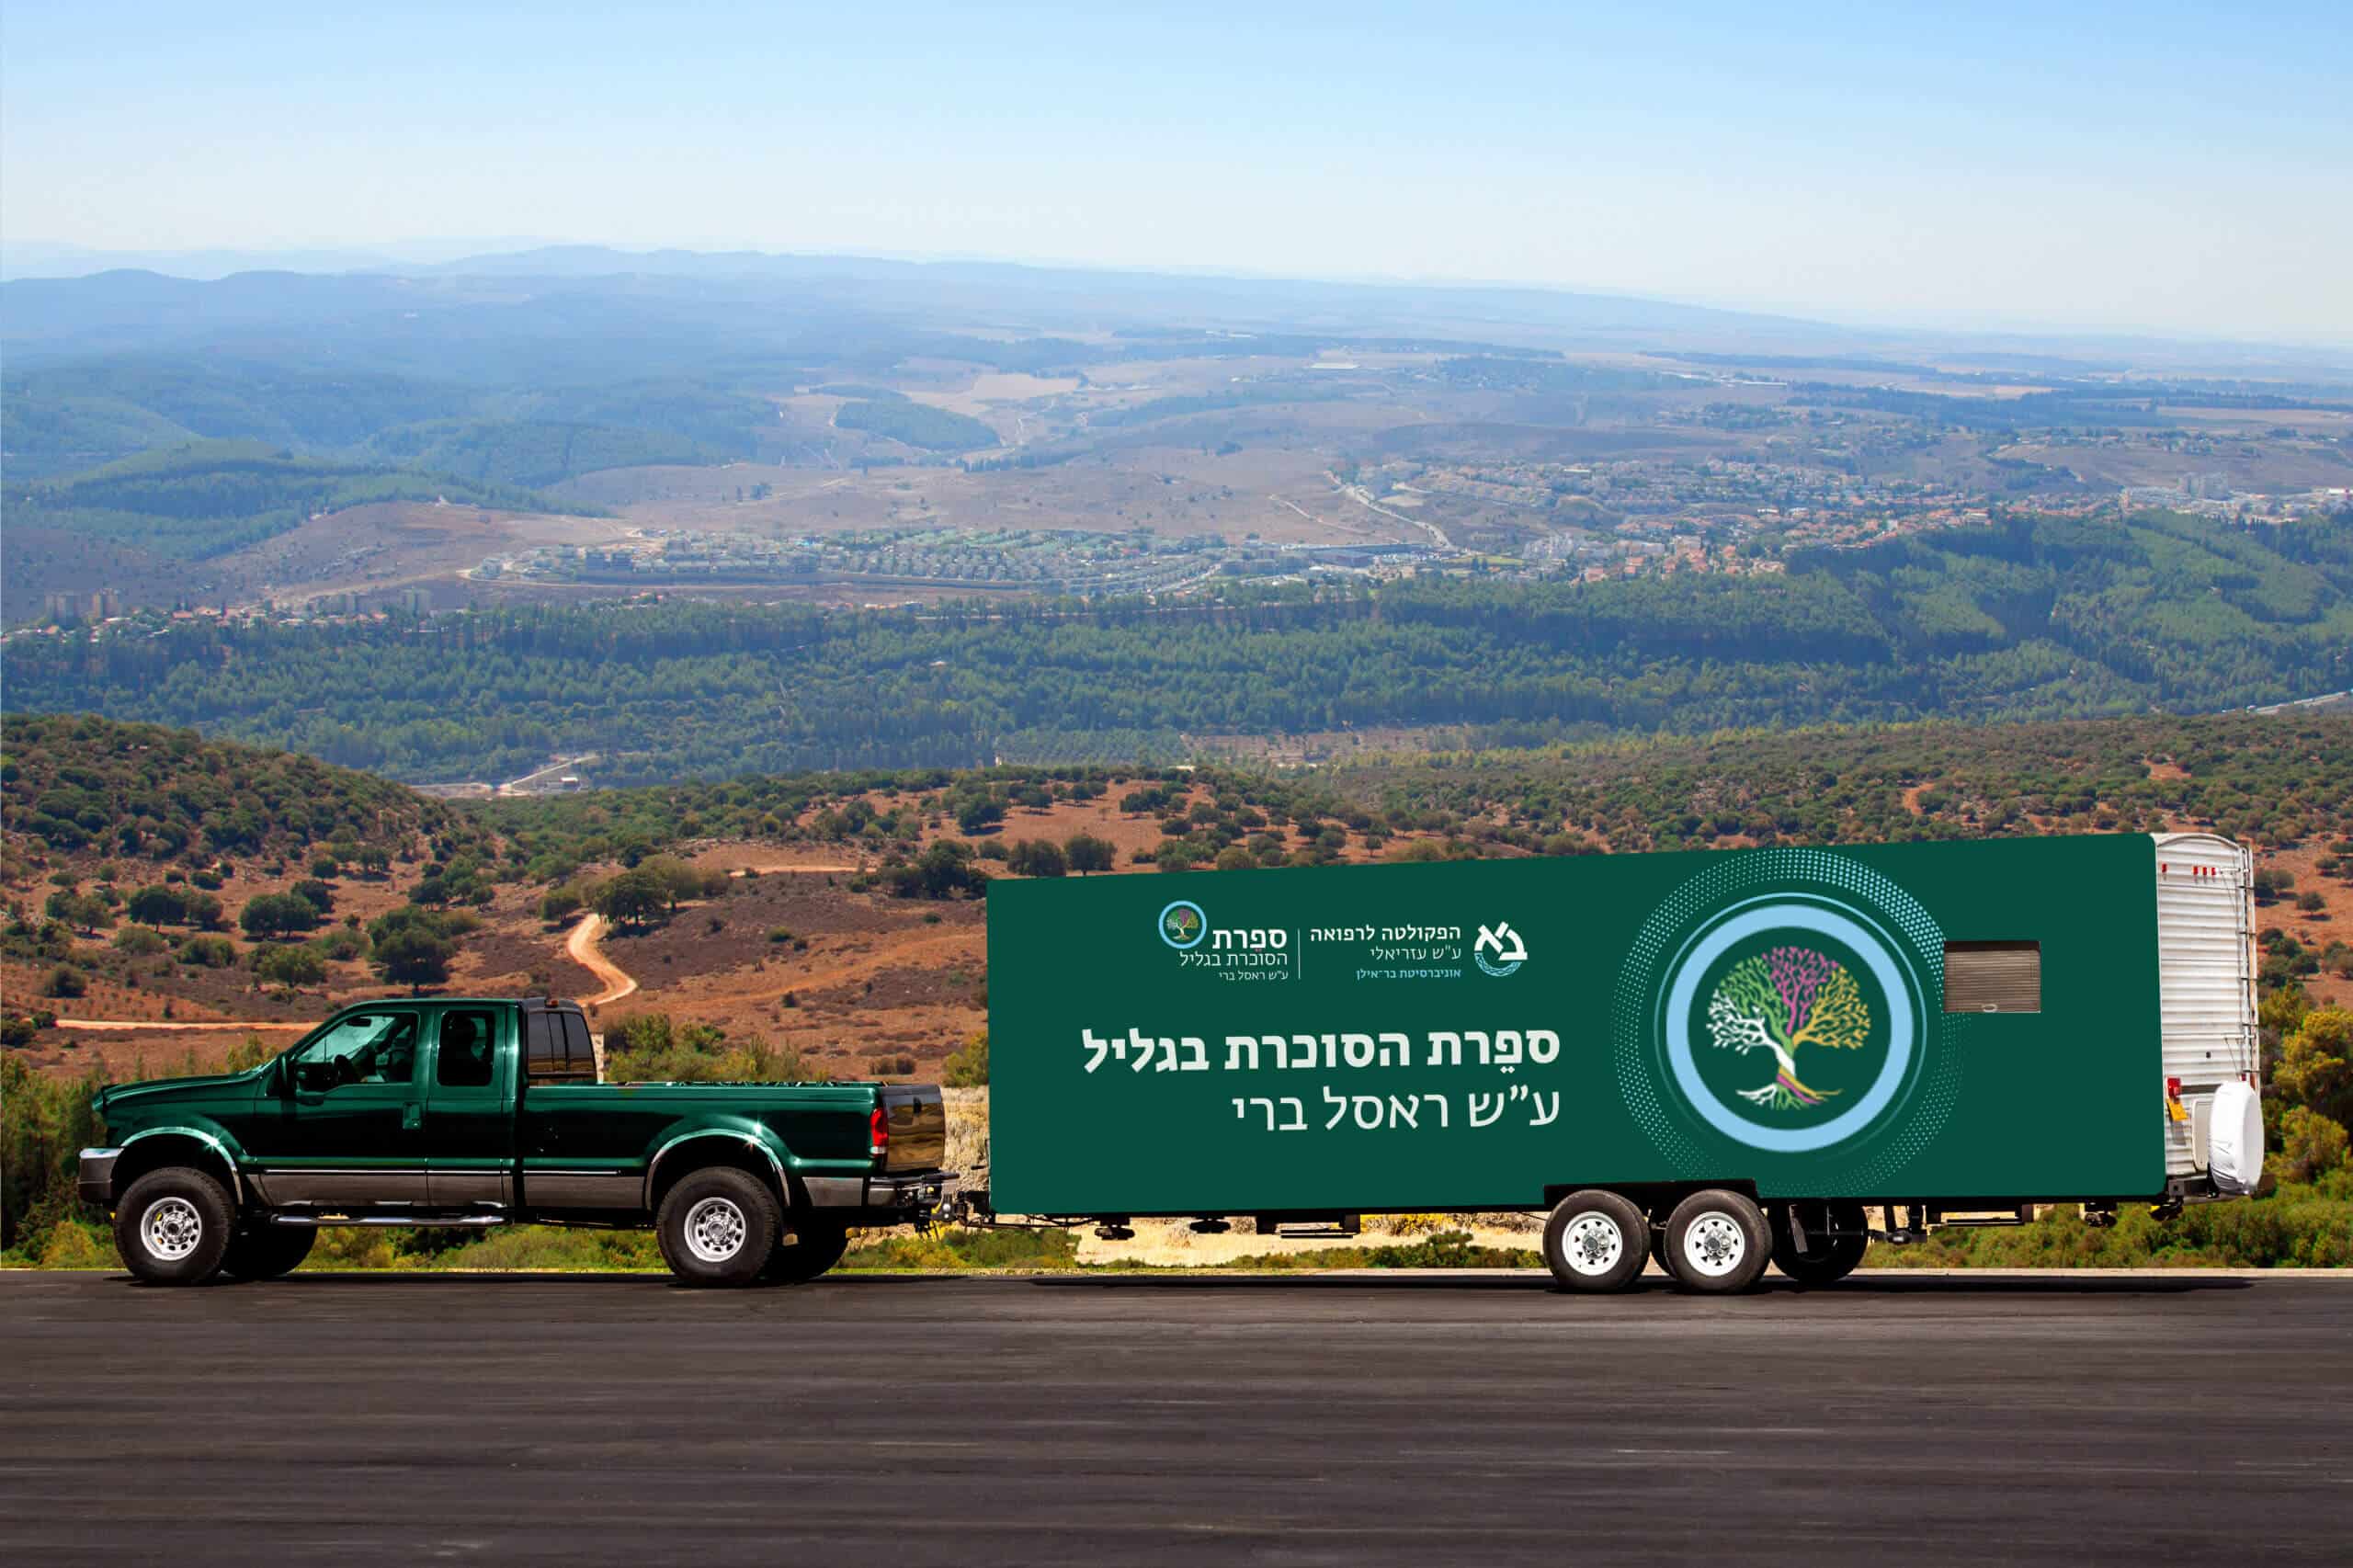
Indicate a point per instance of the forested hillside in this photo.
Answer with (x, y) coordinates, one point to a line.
(144, 792)
(191, 502)
(2042, 617)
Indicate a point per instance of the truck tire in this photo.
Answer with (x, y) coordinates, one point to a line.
(1719, 1241)
(174, 1226)
(718, 1226)
(819, 1248)
(1596, 1241)
(267, 1252)
(1827, 1259)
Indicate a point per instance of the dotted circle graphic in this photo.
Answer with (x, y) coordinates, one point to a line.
(1640, 983)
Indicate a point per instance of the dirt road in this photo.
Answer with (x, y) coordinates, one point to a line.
(581, 948)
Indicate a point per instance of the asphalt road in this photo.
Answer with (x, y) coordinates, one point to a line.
(352, 1420)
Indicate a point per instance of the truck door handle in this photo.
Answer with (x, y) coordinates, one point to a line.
(412, 1119)
(310, 1100)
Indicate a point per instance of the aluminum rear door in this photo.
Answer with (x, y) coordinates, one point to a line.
(2205, 980)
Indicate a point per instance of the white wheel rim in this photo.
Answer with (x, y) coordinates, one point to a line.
(1715, 1245)
(171, 1228)
(716, 1230)
(1591, 1244)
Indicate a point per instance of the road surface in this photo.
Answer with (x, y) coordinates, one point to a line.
(361, 1420)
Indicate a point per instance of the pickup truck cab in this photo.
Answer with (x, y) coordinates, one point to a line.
(460, 1111)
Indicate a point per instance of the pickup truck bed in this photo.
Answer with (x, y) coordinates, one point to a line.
(472, 1112)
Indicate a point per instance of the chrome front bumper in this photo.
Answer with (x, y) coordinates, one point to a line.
(95, 1182)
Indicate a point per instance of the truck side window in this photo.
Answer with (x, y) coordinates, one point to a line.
(579, 1047)
(1992, 977)
(366, 1047)
(542, 1046)
(463, 1060)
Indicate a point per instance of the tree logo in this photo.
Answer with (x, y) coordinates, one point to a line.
(1182, 925)
(1790, 1022)
(1781, 1000)
(1509, 950)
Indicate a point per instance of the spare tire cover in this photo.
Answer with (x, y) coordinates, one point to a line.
(2234, 1139)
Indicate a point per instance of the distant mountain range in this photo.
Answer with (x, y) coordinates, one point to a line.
(68, 300)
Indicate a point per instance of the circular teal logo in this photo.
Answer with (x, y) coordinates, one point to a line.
(1182, 925)
(1790, 1023)
(1780, 1006)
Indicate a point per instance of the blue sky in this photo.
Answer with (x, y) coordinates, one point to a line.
(2183, 169)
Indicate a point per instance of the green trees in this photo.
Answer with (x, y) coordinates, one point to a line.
(634, 899)
(947, 869)
(413, 946)
(273, 914)
(1036, 858)
(1084, 853)
(968, 1067)
(292, 966)
(2046, 618)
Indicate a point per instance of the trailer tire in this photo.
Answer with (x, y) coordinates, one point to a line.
(265, 1251)
(1829, 1258)
(717, 1227)
(1596, 1241)
(1719, 1241)
(818, 1249)
(174, 1225)
(1664, 1258)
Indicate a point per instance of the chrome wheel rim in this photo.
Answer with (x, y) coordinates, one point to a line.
(1715, 1245)
(171, 1228)
(716, 1230)
(1591, 1244)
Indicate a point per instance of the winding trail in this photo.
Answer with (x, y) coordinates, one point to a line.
(581, 948)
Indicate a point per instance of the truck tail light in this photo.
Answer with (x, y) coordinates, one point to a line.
(2173, 1088)
(878, 1133)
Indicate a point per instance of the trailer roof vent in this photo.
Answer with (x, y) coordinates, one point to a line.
(1992, 977)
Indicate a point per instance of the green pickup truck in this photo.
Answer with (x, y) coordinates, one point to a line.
(460, 1111)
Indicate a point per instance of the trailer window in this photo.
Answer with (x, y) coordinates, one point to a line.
(1992, 977)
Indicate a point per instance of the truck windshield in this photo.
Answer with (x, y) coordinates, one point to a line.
(366, 1047)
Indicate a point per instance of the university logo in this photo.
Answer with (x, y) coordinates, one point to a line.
(1509, 951)
(1182, 925)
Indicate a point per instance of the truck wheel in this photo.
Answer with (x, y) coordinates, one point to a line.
(1596, 1241)
(717, 1227)
(268, 1251)
(173, 1227)
(1719, 1241)
(819, 1248)
(1829, 1258)
(1664, 1258)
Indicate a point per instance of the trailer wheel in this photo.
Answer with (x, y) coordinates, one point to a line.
(718, 1226)
(1596, 1241)
(1827, 1259)
(1719, 1240)
(172, 1226)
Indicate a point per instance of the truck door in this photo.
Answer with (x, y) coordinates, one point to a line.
(469, 1112)
(349, 1132)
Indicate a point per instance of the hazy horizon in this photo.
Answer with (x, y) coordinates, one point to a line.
(2145, 169)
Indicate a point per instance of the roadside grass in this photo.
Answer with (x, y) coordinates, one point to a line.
(2297, 1225)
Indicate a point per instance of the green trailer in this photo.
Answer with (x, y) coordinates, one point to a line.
(1707, 1058)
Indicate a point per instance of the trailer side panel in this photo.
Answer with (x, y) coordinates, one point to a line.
(1481, 1034)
